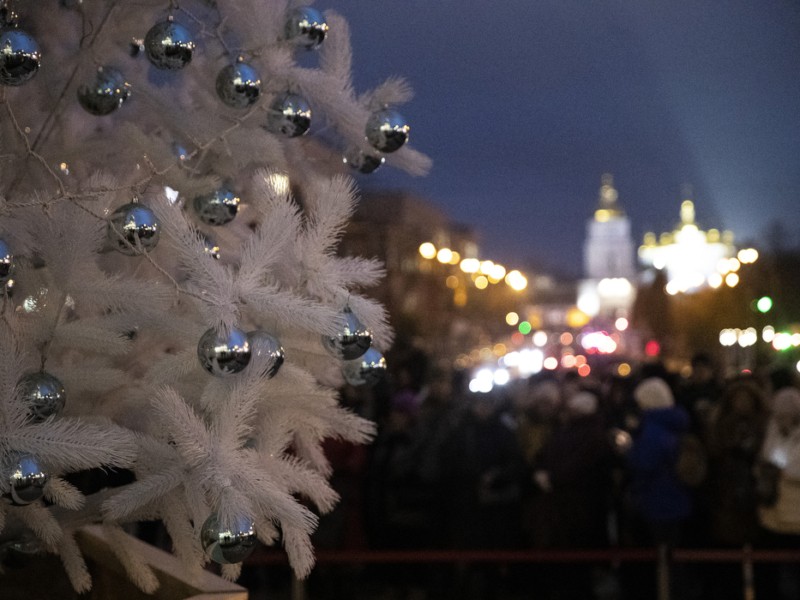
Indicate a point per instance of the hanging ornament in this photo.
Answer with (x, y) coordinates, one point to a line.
(20, 58)
(169, 45)
(136, 47)
(289, 115)
(6, 262)
(26, 480)
(239, 85)
(210, 247)
(267, 350)
(306, 27)
(224, 354)
(367, 370)
(387, 130)
(361, 161)
(227, 546)
(106, 93)
(135, 224)
(43, 394)
(218, 207)
(8, 18)
(352, 340)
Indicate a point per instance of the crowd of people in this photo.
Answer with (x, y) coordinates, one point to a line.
(559, 461)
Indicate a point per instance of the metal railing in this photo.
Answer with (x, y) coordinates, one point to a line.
(662, 556)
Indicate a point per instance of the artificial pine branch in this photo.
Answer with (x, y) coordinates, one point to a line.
(121, 329)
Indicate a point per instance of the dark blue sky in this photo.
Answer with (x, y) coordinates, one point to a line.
(523, 104)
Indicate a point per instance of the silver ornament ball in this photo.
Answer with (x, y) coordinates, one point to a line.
(224, 354)
(43, 394)
(135, 224)
(210, 247)
(217, 208)
(228, 546)
(6, 262)
(362, 162)
(267, 352)
(306, 27)
(26, 479)
(289, 115)
(387, 130)
(352, 340)
(106, 93)
(367, 370)
(239, 85)
(20, 57)
(169, 45)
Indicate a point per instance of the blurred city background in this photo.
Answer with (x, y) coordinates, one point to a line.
(593, 390)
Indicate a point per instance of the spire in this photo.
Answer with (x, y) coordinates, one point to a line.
(607, 202)
(687, 212)
(687, 206)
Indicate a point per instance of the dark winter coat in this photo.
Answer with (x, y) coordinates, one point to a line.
(578, 461)
(656, 492)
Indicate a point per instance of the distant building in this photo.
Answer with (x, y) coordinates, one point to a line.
(692, 258)
(391, 226)
(608, 290)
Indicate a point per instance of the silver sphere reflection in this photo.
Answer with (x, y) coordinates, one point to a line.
(362, 162)
(217, 208)
(6, 262)
(224, 354)
(135, 224)
(105, 93)
(367, 370)
(387, 130)
(20, 57)
(43, 394)
(169, 45)
(267, 351)
(306, 27)
(227, 546)
(239, 85)
(26, 480)
(352, 340)
(289, 115)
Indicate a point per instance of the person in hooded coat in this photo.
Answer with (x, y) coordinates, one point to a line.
(656, 492)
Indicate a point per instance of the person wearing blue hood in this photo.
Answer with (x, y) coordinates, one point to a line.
(657, 494)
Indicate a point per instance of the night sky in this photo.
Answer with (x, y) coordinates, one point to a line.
(524, 104)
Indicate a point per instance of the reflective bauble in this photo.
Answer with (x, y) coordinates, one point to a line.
(218, 207)
(267, 352)
(169, 45)
(351, 341)
(20, 58)
(106, 93)
(239, 85)
(26, 480)
(210, 247)
(135, 224)
(367, 370)
(228, 546)
(306, 27)
(289, 115)
(362, 162)
(43, 394)
(224, 354)
(6, 262)
(387, 130)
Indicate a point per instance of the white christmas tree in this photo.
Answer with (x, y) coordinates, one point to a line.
(173, 302)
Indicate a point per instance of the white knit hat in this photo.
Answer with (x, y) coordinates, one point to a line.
(653, 393)
(786, 401)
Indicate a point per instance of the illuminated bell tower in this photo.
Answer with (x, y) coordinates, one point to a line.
(608, 258)
(608, 250)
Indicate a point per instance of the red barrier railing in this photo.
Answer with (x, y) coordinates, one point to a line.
(611, 555)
